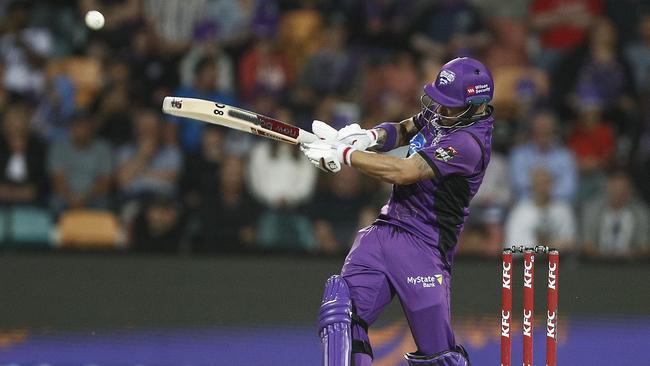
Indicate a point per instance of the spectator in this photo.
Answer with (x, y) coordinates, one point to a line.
(509, 46)
(626, 15)
(174, 21)
(641, 164)
(228, 217)
(337, 211)
(333, 60)
(5, 95)
(543, 151)
(598, 69)
(542, 219)
(23, 179)
(232, 19)
(593, 142)
(638, 55)
(379, 25)
(61, 19)
(278, 176)
(158, 227)
(300, 33)
(562, 26)
(391, 87)
(449, 28)
(617, 224)
(282, 180)
(113, 114)
(202, 171)
(123, 15)
(51, 117)
(24, 51)
(153, 73)
(80, 168)
(489, 208)
(204, 87)
(604, 70)
(205, 45)
(147, 166)
(263, 67)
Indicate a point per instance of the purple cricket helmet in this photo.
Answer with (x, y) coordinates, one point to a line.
(461, 82)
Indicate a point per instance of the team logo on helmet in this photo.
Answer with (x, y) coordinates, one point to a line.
(446, 77)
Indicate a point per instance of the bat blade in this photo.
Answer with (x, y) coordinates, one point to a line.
(235, 118)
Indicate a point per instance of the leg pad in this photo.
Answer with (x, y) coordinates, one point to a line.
(335, 321)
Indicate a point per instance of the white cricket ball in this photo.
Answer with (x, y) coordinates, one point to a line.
(94, 20)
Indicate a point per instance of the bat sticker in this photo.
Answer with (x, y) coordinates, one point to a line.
(177, 103)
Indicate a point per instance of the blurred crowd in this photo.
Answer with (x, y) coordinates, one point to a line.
(82, 128)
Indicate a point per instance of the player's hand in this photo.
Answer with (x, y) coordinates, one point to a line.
(327, 156)
(352, 135)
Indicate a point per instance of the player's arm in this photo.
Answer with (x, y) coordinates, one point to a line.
(400, 171)
(393, 135)
(384, 137)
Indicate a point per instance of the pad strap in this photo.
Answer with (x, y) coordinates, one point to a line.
(357, 320)
(359, 346)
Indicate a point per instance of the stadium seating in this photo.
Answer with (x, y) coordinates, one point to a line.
(25, 227)
(88, 229)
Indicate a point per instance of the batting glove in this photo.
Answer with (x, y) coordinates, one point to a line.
(352, 135)
(327, 156)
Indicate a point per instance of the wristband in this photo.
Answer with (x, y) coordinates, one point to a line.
(391, 137)
(345, 154)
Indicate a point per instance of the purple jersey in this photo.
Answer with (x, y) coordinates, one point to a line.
(435, 210)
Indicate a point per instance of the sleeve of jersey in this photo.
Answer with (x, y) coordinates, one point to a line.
(458, 154)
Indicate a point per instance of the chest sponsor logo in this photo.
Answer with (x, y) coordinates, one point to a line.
(425, 281)
(445, 153)
(446, 77)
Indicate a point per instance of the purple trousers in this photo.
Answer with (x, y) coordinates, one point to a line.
(386, 260)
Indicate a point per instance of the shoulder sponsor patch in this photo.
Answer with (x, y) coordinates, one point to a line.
(417, 143)
(445, 153)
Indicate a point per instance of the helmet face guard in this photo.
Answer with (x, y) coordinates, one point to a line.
(441, 116)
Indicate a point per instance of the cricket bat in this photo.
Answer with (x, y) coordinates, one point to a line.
(236, 118)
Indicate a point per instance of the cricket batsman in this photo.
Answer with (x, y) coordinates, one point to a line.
(408, 251)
